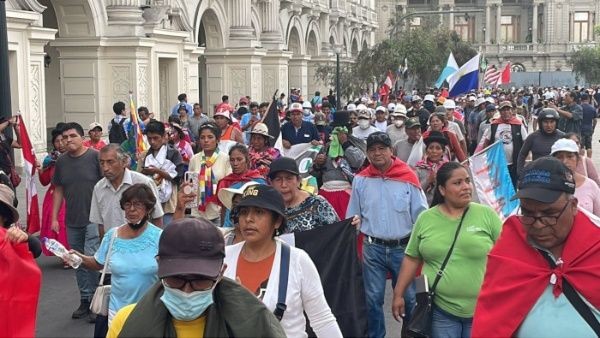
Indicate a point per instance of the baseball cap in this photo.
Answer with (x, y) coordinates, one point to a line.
(544, 180)
(490, 107)
(262, 196)
(296, 106)
(351, 107)
(412, 122)
(364, 114)
(7, 196)
(479, 101)
(416, 98)
(226, 194)
(505, 104)
(224, 113)
(380, 109)
(564, 144)
(190, 246)
(95, 125)
(286, 164)
(449, 104)
(379, 137)
(244, 100)
(391, 107)
(429, 97)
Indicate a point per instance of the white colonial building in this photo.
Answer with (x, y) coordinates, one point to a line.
(70, 60)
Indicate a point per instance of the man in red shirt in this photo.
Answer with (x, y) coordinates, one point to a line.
(95, 141)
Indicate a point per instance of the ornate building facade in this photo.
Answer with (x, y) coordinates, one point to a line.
(535, 35)
(70, 60)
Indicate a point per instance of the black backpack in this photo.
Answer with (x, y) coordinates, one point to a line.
(117, 132)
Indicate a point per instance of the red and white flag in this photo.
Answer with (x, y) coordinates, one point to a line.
(389, 80)
(491, 76)
(33, 208)
(505, 75)
(387, 87)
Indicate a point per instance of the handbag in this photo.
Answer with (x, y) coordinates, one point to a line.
(421, 317)
(15, 179)
(99, 303)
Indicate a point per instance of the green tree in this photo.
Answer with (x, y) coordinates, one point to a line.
(586, 64)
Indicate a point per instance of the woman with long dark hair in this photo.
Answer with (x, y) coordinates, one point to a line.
(478, 228)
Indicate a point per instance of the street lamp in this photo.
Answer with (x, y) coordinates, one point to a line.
(338, 51)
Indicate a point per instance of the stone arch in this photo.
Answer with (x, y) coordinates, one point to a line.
(256, 22)
(77, 18)
(293, 37)
(517, 68)
(210, 21)
(355, 50)
(313, 39)
(333, 36)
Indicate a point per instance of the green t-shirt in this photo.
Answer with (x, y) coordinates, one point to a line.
(432, 235)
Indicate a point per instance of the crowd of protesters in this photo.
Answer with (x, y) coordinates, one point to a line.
(211, 194)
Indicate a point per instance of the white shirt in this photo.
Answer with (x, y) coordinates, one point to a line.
(304, 293)
(382, 126)
(504, 134)
(363, 133)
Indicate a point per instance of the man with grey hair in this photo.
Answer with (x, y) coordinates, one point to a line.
(105, 208)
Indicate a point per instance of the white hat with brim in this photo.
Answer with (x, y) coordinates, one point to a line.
(226, 194)
(261, 129)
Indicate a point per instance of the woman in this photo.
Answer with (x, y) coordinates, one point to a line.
(430, 241)
(436, 123)
(302, 210)
(176, 137)
(585, 166)
(239, 159)
(211, 165)
(261, 152)
(426, 169)
(46, 173)
(586, 190)
(132, 260)
(228, 131)
(230, 197)
(256, 264)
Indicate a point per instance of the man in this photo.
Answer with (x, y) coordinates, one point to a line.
(193, 299)
(95, 133)
(144, 115)
(512, 134)
(262, 108)
(364, 127)
(76, 173)
(248, 121)
(571, 114)
(105, 208)
(182, 101)
(490, 111)
(420, 112)
(540, 142)
(473, 122)
(451, 116)
(198, 119)
(388, 199)
(298, 131)
(118, 125)
(545, 262)
(381, 122)
(332, 98)
(405, 147)
(317, 99)
(396, 130)
(588, 123)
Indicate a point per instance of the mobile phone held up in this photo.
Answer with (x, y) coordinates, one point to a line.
(191, 178)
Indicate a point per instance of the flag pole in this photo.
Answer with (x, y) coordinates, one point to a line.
(273, 101)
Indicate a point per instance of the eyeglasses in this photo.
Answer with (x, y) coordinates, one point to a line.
(135, 204)
(546, 220)
(199, 284)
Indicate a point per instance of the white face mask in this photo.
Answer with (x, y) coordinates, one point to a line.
(398, 123)
(363, 124)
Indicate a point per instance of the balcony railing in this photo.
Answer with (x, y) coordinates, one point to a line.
(531, 48)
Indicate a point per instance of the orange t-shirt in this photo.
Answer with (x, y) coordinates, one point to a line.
(254, 276)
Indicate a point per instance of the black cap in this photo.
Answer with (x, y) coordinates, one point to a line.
(379, 137)
(283, 164)
(544, 180)
(191, 246)
(262, 196)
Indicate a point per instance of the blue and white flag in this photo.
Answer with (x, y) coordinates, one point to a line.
(492, 180)
(466, 78)
(451, 68)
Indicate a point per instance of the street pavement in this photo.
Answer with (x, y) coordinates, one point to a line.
(60, 297)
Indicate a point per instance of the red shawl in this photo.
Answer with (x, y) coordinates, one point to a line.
(20, 280)
(517, 275)
(231, 179)
(513, 120)
(398, 171)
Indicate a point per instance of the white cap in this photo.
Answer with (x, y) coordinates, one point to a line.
(306, 105)
(480, 101)
(491, 100)
(296, 107)
(472, 98)
(351, 107)
(429, 97)
(564, 144)
(400, 109)
(449, 104)
(364, 99)
(416, 98)
(391, 106)
(95, 125)
(380, 108)
(361, 107)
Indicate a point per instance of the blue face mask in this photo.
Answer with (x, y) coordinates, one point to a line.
(186, 306)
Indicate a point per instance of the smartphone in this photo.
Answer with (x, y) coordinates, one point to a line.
(421, 284)
(191, 177)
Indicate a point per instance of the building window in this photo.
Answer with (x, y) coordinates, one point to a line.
(418, 2)
(581, 26)
(415, 22)
(464, 28)
(508, 29)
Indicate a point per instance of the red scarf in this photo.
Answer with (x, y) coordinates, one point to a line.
(513, 120)
(232, 178)
(398, 171)
(517, 275)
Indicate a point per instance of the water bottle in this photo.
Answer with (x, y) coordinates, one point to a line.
(59, 250)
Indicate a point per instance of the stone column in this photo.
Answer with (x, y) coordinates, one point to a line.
(270, 37)
(275, 73)
(298, 73)
(451, 19)
(240, 31)
(123, 17)
(534, 24)
(488, 25)
(498, 23)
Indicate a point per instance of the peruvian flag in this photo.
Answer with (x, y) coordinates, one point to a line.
(386, 88)
(505, 75)
(33, 209)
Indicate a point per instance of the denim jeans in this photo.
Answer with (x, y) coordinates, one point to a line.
(445, 325)
(86, 241)
(378, 260)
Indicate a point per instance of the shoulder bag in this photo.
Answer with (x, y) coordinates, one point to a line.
(99, 303)
(421, 317)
